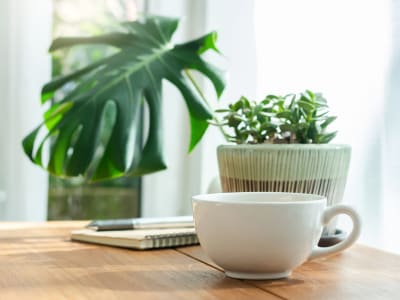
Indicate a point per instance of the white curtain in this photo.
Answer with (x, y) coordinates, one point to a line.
(169, 192)
(25, 34)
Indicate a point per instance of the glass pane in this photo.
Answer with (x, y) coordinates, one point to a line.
(73, 198)
(70, 199)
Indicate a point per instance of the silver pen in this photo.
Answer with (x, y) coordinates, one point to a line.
(142, 223)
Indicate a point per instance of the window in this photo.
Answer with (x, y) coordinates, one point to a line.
(73, 198)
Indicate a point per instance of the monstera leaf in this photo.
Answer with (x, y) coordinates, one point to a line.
(94, 129)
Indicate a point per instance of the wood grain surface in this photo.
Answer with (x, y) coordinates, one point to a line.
(358, 273)
(38, 261)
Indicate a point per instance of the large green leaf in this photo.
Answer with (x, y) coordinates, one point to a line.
(94, 128)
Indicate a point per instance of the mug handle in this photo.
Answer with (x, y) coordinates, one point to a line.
(328, 215)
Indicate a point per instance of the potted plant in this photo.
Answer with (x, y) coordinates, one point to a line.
(93, 122)
(282, 145)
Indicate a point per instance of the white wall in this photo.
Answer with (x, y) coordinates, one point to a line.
(391, 137)
(234, 22)
(25, 34)
(343, 49)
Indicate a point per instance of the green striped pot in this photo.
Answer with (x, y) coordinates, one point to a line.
(299, 168)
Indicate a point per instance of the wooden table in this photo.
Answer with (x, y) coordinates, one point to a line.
(38, 261)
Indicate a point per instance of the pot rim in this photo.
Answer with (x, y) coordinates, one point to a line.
(284, 146)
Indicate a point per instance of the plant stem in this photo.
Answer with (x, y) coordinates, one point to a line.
(198, 89)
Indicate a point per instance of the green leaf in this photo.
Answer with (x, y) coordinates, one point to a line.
(199, 127)
(96, 126)
(54, 114)
(118, 40)
(306, 105)
(328, 121)
(271, 97)
(49, 88)
(234, 121)
(321, 114)
(285, 115)
(245, 101)
(237, 105)
(326, 138)
(310, 94)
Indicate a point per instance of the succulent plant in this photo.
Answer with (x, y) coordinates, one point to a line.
(295, 118)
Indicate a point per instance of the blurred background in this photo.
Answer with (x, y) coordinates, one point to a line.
(348, 50)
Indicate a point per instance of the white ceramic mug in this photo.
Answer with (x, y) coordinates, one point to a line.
(265, 235)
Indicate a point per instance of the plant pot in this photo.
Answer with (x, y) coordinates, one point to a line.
(298, 168)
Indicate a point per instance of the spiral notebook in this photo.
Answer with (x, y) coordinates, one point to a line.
(138, 238)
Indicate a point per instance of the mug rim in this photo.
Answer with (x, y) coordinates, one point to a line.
(240, 198)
